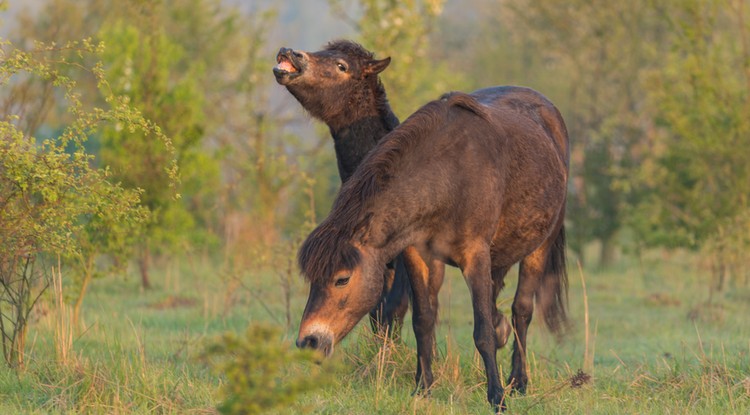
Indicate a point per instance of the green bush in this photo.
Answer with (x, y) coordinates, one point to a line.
(262, 372)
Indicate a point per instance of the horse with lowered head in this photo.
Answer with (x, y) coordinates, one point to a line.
(477, 181)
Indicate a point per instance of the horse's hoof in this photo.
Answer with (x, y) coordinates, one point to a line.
(502, 332)
(421, 392)
(518, 387)
(501, 407)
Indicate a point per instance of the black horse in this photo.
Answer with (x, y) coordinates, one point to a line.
(476, 181)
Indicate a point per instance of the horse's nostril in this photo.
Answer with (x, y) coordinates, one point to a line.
(309, 341)
(312, 342)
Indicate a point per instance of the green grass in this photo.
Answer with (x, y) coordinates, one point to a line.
(656, 345)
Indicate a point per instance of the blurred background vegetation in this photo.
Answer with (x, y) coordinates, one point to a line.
(137, 134)
(655, 94)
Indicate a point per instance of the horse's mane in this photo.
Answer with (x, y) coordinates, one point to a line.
(376, 169)
(329, 248)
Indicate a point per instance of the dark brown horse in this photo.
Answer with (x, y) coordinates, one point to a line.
(339, 85)
(477, 181)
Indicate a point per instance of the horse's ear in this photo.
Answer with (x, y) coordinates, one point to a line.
(377, 66)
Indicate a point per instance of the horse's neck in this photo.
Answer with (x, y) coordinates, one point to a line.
(354, 140)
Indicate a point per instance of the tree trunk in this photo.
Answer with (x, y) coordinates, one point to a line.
(144, 265)
(607, 254)
(721, 275)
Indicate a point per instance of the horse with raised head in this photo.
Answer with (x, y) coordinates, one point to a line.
(477, 181)
(340, 86)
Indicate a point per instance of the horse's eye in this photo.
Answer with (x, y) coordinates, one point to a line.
(341, 66)
(342, 281)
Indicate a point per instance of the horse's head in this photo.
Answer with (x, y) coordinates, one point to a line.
(344, 286)
(325, 81)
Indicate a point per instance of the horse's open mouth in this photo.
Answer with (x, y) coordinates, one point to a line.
(285, 64)
(287, 68)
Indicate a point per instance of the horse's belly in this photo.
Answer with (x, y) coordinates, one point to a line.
(517, 237)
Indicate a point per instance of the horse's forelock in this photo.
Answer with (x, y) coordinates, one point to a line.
(350, 48)
(324, 253)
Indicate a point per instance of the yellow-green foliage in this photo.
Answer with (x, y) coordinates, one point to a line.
(55, 202)
(262, 372)
(696, 182)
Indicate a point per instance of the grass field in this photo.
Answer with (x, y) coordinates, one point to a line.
(654, 346)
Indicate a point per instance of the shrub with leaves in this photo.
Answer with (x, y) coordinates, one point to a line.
(53, 200)
(262, 371)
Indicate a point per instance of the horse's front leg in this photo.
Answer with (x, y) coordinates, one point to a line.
(477, 273)
(425, 283)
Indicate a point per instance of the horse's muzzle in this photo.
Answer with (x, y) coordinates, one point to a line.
(317, 341)
(290, 65)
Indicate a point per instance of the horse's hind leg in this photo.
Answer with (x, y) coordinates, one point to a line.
(523, 309)
(501, 323)
(531, 271)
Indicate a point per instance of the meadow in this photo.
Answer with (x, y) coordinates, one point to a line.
(643, 339)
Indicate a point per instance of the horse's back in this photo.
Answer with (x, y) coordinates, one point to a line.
(529, 104)
(523, 132)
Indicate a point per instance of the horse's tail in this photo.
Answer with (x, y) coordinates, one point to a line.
(552, 294)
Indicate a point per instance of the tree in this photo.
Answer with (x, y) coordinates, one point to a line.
(198, 68)
(140, 66)
(696, 182)
(599, 51)
(201, 69)
(144, 165)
